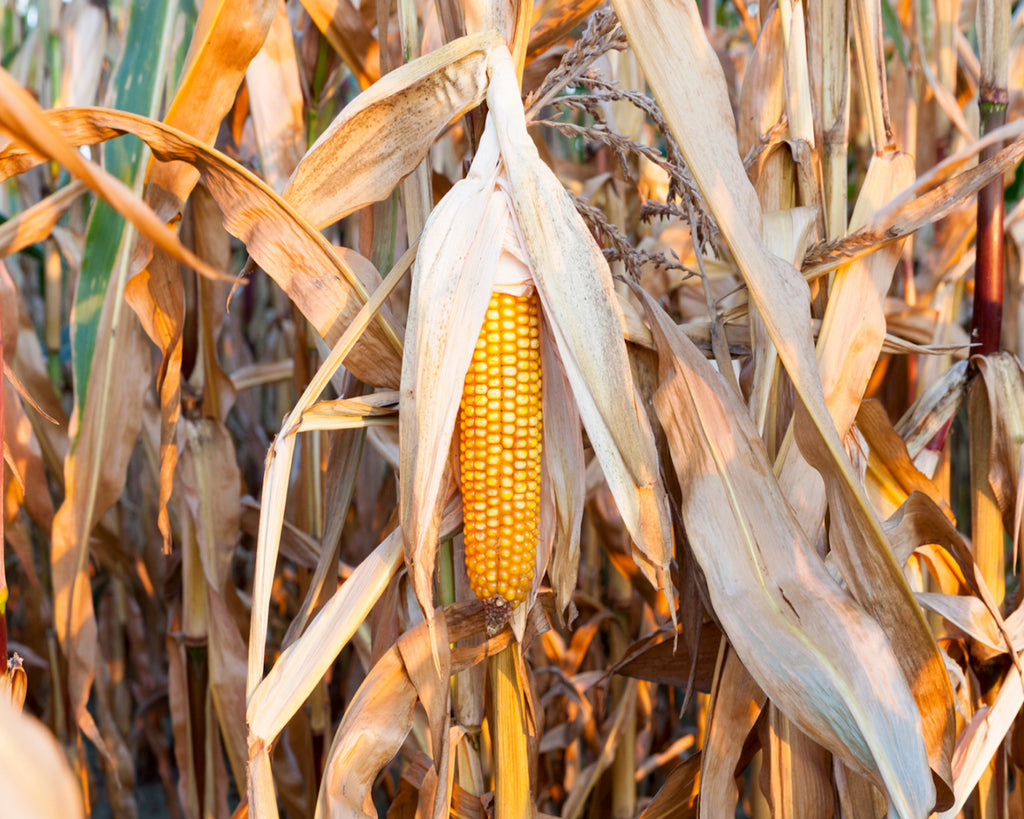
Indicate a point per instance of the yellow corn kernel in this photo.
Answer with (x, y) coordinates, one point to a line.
(499, 435)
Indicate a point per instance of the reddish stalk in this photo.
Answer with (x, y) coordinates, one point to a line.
(987, 319)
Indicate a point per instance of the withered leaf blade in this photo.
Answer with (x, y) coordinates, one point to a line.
(326, 289)
(228, 34)
(658, 658)
(864, 556)
(826, 664)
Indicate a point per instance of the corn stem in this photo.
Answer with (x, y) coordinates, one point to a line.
(508, 731)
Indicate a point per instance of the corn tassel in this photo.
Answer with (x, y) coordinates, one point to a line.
(500, 437)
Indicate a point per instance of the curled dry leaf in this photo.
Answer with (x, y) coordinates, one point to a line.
(384, 133)
(376, 724)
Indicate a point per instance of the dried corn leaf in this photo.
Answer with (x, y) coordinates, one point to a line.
(970, 616)
(688, 83)
(736, 702)
(327, 290)
(228, 34)
(588, 778)
(342, 25)
(350, 413)
(658, 658)
(276, 103)
(826, 664)
(94, 474)
(558, 20)
(921, 522)
(83, 42)
(33, 129)
(851, 333)
(979, 741)
(1004, 382)
(863, 554)
(891, 475)
(935, 407)
(799, 771)
(677, 798)
(227, 657)
(278, 471)
(384, 133)
(35, 223)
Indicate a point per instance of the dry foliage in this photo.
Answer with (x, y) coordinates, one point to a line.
(782, 497)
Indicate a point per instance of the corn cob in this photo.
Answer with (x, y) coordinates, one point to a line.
(500, 438)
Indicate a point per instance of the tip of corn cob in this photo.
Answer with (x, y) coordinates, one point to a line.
(497, 611)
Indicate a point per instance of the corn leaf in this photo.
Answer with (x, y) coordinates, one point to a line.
(826, 664)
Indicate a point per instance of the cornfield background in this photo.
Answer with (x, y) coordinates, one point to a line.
(779, 246)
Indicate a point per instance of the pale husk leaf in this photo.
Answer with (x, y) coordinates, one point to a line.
(825, 663)
(562, 482)
(581, 313)
(452, 281)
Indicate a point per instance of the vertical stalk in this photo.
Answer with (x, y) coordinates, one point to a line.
(993, 27)
(197, 675)
(835, 85)
(620, 593)
(993, 51)
(987, 318)
(511, 762)
(53, 295)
